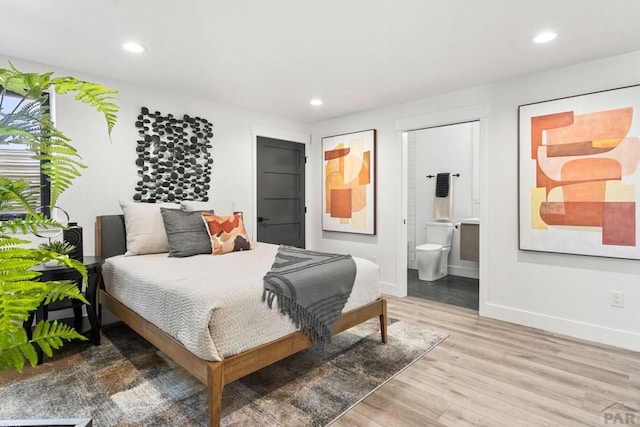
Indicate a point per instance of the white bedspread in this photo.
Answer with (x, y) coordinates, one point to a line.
(212, 304)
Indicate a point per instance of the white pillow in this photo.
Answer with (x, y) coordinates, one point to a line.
(145, 227)
(196, 205)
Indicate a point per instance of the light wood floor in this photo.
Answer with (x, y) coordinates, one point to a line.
(494, 373)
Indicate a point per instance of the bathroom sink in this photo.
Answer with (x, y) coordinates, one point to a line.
(470, 221)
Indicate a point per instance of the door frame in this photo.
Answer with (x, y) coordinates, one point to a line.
(478, 113)
(274, 133)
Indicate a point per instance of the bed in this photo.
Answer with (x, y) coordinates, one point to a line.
(196, 326)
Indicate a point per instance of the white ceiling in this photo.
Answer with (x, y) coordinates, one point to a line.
(275, 55)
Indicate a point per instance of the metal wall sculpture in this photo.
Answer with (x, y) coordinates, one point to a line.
(173, 157)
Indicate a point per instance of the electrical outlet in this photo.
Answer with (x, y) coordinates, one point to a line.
(616, 298)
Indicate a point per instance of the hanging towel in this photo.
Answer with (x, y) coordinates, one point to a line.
(442, 185)
(443, 205)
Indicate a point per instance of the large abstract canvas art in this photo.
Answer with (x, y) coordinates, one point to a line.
(579, 176)
(349, 182)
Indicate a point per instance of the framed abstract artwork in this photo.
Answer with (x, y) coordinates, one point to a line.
(349, 182)
(579, 179)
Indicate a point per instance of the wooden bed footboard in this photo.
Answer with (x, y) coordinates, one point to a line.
(215, 374)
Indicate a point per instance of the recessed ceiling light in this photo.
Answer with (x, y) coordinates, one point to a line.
(544, 37)
(316, 102)
(133, 47)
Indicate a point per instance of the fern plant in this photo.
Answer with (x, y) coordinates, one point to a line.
(30, 125)
(58, 246)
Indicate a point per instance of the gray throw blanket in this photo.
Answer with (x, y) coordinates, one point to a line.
(312, 288)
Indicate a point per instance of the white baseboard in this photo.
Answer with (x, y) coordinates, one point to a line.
(586, 331)
(392, 289)
(472, 273)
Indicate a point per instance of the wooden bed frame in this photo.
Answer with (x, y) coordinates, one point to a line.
(110, 241)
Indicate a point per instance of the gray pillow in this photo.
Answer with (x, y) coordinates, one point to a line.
(186, 232)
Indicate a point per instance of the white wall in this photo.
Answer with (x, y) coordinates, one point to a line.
(446, 149)
(112, 173)
(563, 293)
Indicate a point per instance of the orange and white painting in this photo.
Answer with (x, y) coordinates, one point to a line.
(579, 176)
(348, 184)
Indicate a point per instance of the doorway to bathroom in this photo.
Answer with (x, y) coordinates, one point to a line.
(454, 150)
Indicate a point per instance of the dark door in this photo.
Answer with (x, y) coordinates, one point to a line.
(281, 206)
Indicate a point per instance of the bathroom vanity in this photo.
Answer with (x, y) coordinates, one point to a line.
(470, 239)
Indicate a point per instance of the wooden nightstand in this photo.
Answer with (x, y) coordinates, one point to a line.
(89, 326)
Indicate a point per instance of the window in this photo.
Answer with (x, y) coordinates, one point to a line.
(16, 160)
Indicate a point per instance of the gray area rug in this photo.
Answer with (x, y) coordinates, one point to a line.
(126, 382)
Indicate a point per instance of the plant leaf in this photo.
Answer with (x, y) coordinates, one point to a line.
(30, 125)
(49, 336)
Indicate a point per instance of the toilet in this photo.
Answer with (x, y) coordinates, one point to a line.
(433, 256)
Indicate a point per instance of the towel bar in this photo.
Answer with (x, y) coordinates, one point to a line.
(453, 174)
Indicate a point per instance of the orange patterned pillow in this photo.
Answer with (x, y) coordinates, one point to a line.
(227, 233)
